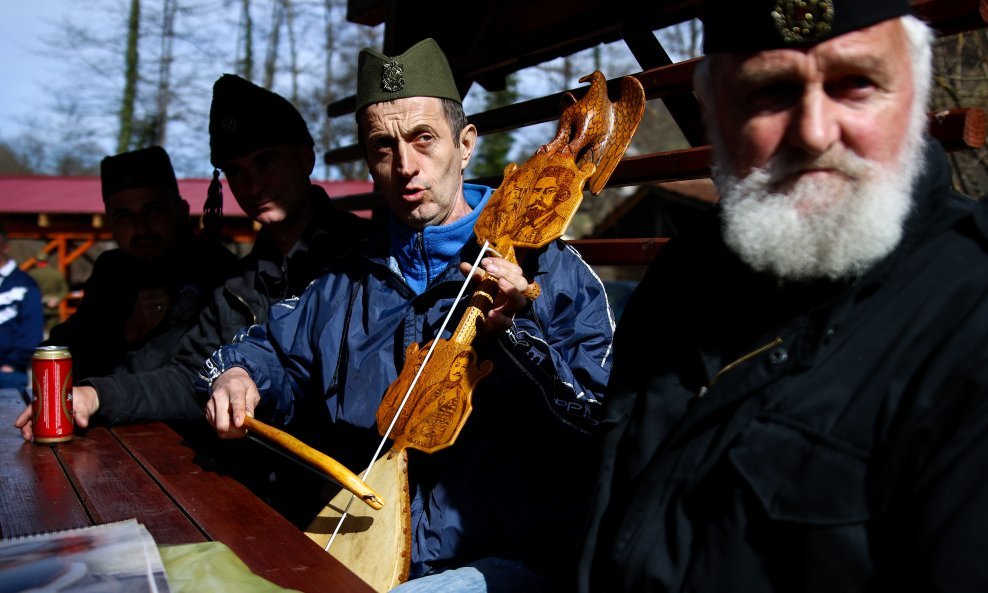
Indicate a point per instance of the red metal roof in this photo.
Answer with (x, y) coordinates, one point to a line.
(34, 194)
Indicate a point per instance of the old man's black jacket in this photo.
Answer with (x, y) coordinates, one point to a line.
(825, 438)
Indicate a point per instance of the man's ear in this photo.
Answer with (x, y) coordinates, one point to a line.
(182, 208)
(468, 142)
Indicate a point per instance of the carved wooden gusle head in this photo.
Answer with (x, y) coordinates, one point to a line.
(536, 201)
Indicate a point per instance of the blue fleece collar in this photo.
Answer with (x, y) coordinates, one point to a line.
(421, 256)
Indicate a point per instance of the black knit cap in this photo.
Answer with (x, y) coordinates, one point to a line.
(145, 167)
(756, 25)
(245, 117)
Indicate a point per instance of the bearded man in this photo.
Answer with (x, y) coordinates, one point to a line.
(810, 411)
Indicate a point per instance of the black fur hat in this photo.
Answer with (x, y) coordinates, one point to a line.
(244, 117)
(145, 167)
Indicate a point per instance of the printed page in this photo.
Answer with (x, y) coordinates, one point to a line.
(114, 557)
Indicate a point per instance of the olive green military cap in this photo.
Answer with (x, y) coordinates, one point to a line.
(422, 71)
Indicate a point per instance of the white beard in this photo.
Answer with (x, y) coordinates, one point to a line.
(819, 228)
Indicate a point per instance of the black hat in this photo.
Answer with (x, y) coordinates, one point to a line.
(244, 117)
(422, 71)
(145, 167)
(755, 25)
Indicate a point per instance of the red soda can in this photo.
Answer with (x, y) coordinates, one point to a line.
(52, 399)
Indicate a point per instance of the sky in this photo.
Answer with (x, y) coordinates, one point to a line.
(25, 72)
(22, 67)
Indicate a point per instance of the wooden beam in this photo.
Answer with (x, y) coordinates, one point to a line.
(674, 165)
(682, 106)
(672, 80)
(619, 252)
(959, 129)
(949, 17)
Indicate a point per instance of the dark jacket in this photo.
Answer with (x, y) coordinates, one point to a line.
(331, 355)
(263, 277)
(846, 449)
(95, 332)
(21, 318)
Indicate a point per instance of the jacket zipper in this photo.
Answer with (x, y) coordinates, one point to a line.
(253, 318)
(738, 362)
(286, 292)
(420, 245)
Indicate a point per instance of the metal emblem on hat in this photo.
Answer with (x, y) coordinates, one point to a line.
(803, 20)
(228, 124)
(393, 77)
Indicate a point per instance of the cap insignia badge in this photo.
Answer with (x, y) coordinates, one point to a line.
(393, 77)
(228, 124)
(803, 20)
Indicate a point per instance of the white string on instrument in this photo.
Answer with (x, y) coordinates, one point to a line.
(384, 440)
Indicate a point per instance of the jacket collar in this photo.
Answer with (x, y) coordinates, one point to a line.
(421, 256)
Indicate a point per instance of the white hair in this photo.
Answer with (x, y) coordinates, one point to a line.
(771, 231)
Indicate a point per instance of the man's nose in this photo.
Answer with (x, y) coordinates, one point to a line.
(406, 163)
(251, 182)
(145, 220)
(814, 126)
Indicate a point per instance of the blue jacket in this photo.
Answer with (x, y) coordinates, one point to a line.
(516, 482)
(21, 317)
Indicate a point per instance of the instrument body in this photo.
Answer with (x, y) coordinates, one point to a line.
(375, 544)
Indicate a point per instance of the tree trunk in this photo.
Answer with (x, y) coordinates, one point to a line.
(329, 53)
(169, 8)
(130, 78)
(274, 40)
(245, 41)
(292, 48)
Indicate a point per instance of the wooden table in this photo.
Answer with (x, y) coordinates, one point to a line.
(151, 473)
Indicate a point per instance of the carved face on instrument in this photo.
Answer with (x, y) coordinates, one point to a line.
(544, 193)
(551, 189)
(458, 369)
(815, 149)
(416, 160)
(521, 183)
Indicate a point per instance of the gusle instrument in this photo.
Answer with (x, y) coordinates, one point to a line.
(427, 405)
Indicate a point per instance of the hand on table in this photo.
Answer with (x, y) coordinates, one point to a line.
(85, 403)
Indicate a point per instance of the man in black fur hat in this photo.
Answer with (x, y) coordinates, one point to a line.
(799, 397)
(144, 295)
